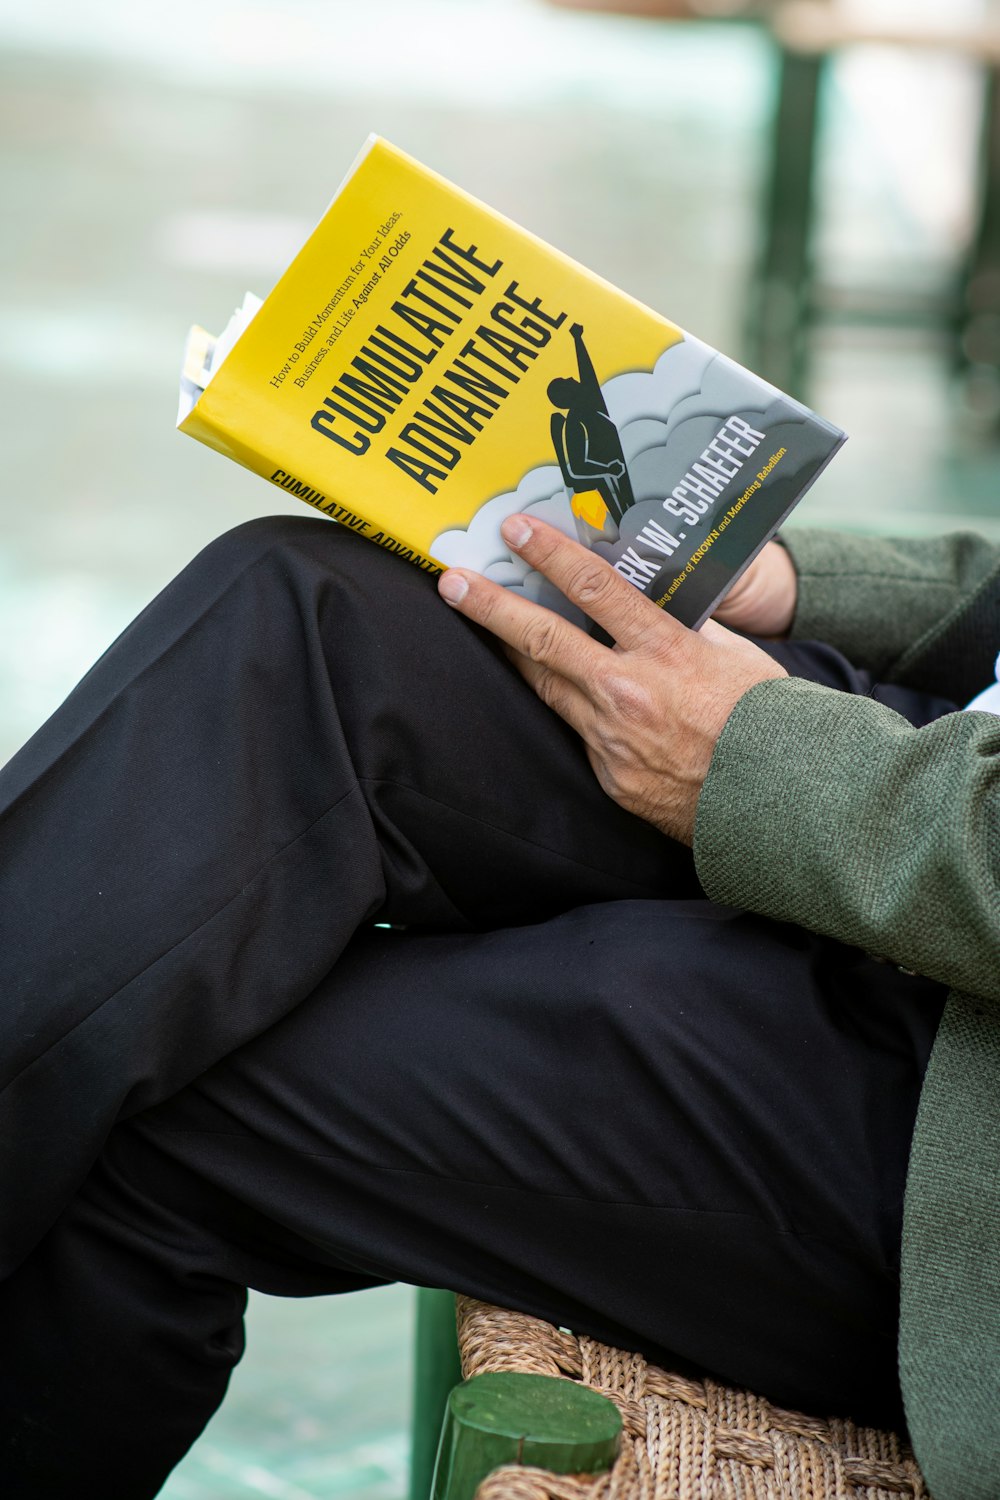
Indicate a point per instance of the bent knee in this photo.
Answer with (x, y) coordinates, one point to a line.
(317, 568)
(245, 544)
(283, 547)
(310, 542)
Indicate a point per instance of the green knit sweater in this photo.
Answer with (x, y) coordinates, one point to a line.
(833, 812)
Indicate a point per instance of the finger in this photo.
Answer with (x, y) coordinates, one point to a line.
(557, 693)
(589, 582)
(533, 631)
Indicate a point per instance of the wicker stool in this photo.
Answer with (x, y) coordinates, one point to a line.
(683, 1438)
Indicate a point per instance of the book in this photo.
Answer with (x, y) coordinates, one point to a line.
(425, 368)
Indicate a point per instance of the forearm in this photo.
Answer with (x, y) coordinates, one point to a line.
(834, 813)
(878, 600)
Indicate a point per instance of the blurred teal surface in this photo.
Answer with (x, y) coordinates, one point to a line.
(156, 161)
(318, 1408)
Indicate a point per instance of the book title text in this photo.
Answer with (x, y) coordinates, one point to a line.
(482, 372)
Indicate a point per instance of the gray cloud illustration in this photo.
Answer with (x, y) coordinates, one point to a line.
(691, 387)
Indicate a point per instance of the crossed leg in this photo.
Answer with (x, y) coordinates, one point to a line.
(668, 1124)
(296, 739)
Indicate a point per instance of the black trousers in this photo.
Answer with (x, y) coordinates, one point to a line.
(565, 1081)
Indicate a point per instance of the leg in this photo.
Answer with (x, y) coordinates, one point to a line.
(265, 761)
(670, 1125)
(826, 665)
(295, 738)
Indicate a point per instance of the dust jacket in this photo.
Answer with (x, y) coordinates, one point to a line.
(425, 368)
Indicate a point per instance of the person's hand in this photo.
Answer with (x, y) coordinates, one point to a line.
(762, 600)
(650, 710)
(616, 468)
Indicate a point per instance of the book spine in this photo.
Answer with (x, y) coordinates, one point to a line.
(291, 484)
(202, 424)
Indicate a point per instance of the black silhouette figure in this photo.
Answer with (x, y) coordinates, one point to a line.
(586, 440)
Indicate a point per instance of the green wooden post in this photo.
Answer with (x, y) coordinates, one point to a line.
(436, 1369)
(533, 1420)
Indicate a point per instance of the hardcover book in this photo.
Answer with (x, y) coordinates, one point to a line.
(425, 368)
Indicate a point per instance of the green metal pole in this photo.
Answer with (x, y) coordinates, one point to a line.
(436, 1369)
(780, 301)
(978, 303)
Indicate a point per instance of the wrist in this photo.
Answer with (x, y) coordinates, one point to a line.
(762, 602)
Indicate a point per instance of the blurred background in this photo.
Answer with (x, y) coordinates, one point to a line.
(815, 188)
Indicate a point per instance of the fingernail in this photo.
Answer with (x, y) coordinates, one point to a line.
(515, 531)
(452, 587)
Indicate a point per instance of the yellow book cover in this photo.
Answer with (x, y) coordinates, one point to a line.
(425, 368)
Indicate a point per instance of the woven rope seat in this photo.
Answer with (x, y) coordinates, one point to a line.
(682, 1439)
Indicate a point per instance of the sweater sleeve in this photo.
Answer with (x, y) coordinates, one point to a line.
(835, 813)
(882, 601)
